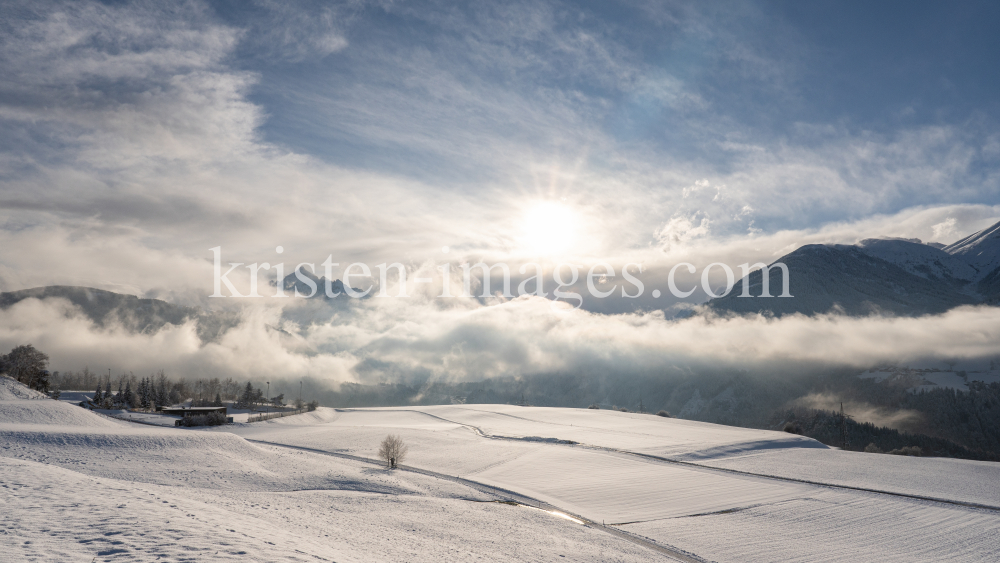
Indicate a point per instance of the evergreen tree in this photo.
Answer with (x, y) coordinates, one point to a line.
(140, 394)
(162, 393)
(98, 398)
(148, 398)
(218, 400)
(128, 399)
(247, 398)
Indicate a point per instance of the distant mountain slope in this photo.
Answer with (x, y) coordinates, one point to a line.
(824, 278)
(292, 284)
(989, 287)
(921, 259)
(980, 250)
(107, 308)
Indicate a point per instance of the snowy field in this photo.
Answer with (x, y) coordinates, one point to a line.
(78, 485)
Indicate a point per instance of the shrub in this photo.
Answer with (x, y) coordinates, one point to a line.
(623, 409)
(594, 406)
(664, 414)
(210, 419)
(907, 450)
(313, 405)
(792, 428)
(873, 449)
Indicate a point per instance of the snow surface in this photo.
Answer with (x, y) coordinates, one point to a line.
(85, 487)
(712, 481)
(11, 390)
(975, 482)
(833, 526)
(79, 486)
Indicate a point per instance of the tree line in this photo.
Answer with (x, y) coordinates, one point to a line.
(28, 365)
(159, 390)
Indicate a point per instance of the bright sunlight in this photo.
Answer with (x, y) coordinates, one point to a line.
(550, 228)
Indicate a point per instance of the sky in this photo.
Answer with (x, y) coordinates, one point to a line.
(136, 136)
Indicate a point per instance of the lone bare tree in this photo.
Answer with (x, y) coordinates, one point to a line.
(392, 450)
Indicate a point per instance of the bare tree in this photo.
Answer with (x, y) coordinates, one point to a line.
(392, 450)
(230, 389)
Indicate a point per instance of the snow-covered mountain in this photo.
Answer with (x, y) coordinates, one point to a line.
(920, 259)
(847, 279)
(895, 276)
(980, 250)
(107, 308)
(139, 315)
(297, 282)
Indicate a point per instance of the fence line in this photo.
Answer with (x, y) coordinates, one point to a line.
(269, 415)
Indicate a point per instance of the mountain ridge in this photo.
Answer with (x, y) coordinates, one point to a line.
(893, 276)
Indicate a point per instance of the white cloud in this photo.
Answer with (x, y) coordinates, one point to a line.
(133, 147)
(944, 228)
(414, 338)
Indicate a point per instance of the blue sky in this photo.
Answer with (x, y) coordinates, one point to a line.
(763, 68)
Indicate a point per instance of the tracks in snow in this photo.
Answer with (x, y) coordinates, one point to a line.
(656, 458)
(506, 495)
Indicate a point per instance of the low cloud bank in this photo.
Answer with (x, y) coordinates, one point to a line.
(461, 340)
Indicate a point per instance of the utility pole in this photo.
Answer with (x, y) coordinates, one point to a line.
(300, 391)
(267, 407)
(843, 428)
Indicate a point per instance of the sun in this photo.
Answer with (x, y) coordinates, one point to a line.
(549, 229)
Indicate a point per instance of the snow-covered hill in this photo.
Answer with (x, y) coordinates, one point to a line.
(78, 486)
(11, 390)
(716, 493)
(587, 485)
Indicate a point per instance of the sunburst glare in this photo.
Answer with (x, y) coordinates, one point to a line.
(550, 229)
